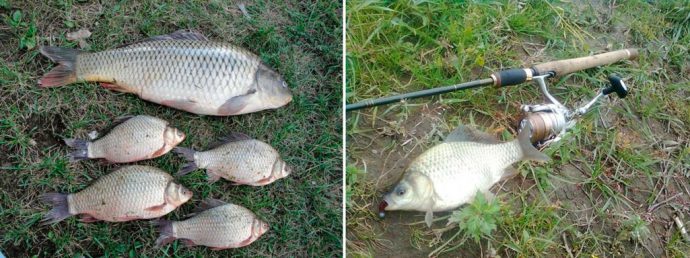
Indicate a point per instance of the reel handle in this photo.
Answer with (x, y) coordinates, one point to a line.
(617, 86)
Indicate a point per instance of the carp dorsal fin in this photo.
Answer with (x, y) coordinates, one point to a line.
(180, 34)
(232, 137)
(177, 35)
(118, 121)
(465, 133)
(209, 203)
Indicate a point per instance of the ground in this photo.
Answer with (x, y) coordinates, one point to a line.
(301, 41)
(614, 184)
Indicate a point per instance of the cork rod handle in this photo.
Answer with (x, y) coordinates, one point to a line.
(563, 67)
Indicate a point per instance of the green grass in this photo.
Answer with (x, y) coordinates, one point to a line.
(606, 191)
(300, 40)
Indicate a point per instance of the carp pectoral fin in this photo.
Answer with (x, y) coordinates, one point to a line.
(212, 178)
(509, 172)
(182, 104)
(87, 218)
(429, 218)
(234, 105)
(245, 242)
(159, 152)
(156, 208)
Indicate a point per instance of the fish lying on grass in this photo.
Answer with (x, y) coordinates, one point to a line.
(217, 224)
(129, 193)
(183, 70)
(130, 139)
(451, 173)
(237, 158)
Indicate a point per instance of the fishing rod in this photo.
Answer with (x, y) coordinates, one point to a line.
(510, 77)
(550, 120)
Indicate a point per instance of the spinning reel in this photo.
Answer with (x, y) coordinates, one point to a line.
(551, 120)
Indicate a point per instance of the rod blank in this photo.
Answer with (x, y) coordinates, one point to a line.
(418, 94)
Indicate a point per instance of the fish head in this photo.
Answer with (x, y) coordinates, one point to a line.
(173, 136)
(287, 169)
(280, 169)
(177, 194)
(271, 89)
(259, 227)
(414, 192)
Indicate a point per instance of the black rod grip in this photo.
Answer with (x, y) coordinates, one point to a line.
(509, 77)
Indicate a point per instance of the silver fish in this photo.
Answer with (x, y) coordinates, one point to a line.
(451, 173)
(129, 193)
(130, 139)
(217, 224)
(237, 158)
(183, 70)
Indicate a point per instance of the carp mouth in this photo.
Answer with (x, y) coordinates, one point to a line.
(382, 208)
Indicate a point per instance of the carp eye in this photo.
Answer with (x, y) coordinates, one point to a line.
(401, 192)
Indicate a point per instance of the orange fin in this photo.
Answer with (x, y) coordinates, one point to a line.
(156, 208)
(188, 242)
(126, 218)
(64, 73)
(86, 218)
(245, 242)
(115, 87)
(264, 181)
(159, 152)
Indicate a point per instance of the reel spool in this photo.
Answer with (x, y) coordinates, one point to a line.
(545, 125)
